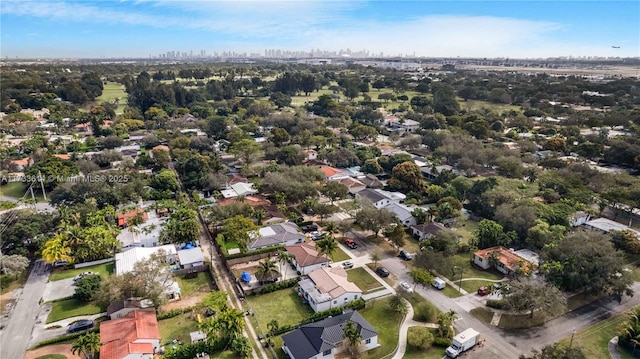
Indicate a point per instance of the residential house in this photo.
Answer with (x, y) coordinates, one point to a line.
(125, 218)
(328, 288)
(432, 172)
(286, 233)
(238, 189)
(159, 148)
(233, 178)
(126, 262)
(331, 173)
(65, 156)
(402, 212)
(579, 218)
(324, 339)
(145, 234)
(20, 165)
(307, 258)
(134, 336)
(121, 308)
(427, 230)
(353, 185)
(378, 199)
(371, 181)
(607, 226)
(190, 258)
(310, 154)
(507, 261)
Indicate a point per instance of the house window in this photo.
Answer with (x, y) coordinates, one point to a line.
(335, 302)
(479, 259)
(326, 352)
(355, 296)
(368, 341)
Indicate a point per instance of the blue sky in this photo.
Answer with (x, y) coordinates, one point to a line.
(140, 28)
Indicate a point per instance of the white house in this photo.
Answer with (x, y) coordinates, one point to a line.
(607, 225)
(328, 288)
(427, 230)
(402, 212)
(306, 257)
(190, 258)
(324, 339)
(126, 262)
(375, 197)
(286, 233)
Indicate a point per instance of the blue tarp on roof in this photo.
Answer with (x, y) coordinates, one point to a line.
(188, 246)
(245, 276)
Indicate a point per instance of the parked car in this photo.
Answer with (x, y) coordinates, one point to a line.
(315, 235)
(484, 290)
(439, 283)
(405, 255)
(309, 228)
(80, 325)
(406, 287)
(382, 271)
(82, 275)
(347, 265)
(351, 244)
(58, 264)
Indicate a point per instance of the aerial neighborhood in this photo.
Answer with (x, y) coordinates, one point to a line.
(291, 209)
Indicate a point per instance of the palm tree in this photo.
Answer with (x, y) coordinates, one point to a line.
(327, 246)
(331, 227)
(352, 340)
(56, 249)
(267, 270)
(493, 259)
(259, 215)
(228, 324)
(445, 321)
(273, 326)
(87, 345)
(283, 258)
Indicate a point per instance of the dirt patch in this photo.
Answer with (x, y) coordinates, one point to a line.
(62, 349)
(184, 302)
(6, 301)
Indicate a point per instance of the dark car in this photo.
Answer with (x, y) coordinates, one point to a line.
(382, 271)
(484, 290)
(405, 255)
(80, 325)
(309, 228)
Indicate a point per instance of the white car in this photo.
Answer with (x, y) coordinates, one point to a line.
(406, 287)
(347, 265)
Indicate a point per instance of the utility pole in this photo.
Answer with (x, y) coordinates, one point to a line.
(44, 194)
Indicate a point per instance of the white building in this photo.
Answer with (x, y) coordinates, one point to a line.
(328, 288)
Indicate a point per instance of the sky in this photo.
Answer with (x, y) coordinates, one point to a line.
(144, 28)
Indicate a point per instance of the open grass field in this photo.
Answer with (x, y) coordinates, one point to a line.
(114, 91)
(68, 308)
(379, 315)
(103, 269)
(476, 105)
(284, 305)
(593, 340)
(364, 280)
(177, 327)
(201, 283)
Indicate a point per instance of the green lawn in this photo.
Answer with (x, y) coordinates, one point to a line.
(471, 286)
(519, 321)
(451, 292)
(231, 245)
(364, 280)
(593, 340)
(339, 255)
(432, 353)
(464, 228)
(475, 105)
(378, 314)
(482, 313)
(18, 189)
(111, 92)
(284, 305)
(416, 299)
(68, 308)
(190, 286)
(102, 269)
(177, 327)
(469, 271)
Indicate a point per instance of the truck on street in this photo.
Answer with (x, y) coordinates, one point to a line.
(463, 342)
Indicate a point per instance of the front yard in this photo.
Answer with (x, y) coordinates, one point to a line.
(378, 314)
(284, 305)
(68, 308)
(364, 280)
(431, 353)
(103, 269)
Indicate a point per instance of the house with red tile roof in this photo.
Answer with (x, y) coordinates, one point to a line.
(63, 156)
(126, 217)
(22, 164)
(331, 173)
(506, 261)
(134, 336)
(307, 258)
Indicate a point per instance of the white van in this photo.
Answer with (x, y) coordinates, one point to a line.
(438, 283)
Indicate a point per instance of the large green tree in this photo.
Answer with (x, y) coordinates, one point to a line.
(407, 176)
(182, 226)
(531, 295)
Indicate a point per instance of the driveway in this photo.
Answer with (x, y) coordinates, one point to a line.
(58, 289)
(17, 328)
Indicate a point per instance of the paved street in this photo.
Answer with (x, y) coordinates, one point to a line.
(17, 328)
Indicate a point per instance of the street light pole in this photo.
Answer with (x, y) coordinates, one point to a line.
(573, 332)
(456, 268)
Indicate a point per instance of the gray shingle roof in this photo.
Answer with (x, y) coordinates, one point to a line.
(315, 338)
(371, 195)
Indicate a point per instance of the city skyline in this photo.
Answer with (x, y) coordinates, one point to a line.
(148, 28)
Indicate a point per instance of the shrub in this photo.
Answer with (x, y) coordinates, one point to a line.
(274, 249)
(279, 285)
(420, 338)
(497, 304)
(189, 351)
(86, 287)
(65, 338)
(425, 312)
(442, 342)
(174, 313)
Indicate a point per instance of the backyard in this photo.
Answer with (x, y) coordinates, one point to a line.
(103, 270)
(201, 283)
(69, 308)
(364, 280)
(179, 328)
(284, 305)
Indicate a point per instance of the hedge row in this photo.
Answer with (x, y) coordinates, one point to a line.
(257, 251)
(65, 338)
(174, 312)
(442, 342)
(497, 304)
(189, 351)
(355, 305)
(279, 285)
